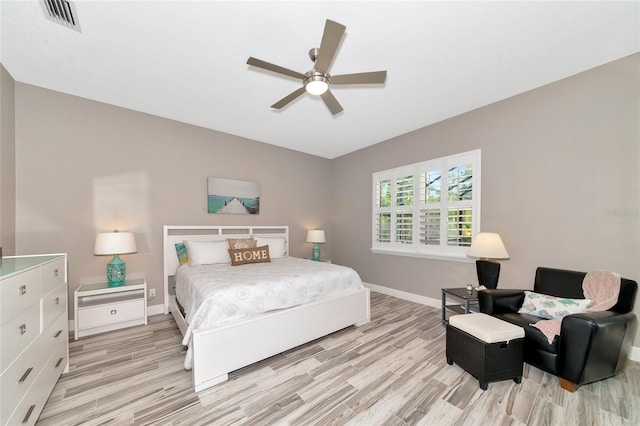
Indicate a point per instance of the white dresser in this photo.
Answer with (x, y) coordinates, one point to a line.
(34, 334)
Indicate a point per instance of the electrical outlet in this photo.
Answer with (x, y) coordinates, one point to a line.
(152, 293)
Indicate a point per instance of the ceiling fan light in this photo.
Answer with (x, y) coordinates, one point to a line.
(316, 85)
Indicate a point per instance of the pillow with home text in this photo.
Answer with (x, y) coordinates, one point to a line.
(249, 255)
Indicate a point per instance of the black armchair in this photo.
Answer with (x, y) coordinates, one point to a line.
(591, 346)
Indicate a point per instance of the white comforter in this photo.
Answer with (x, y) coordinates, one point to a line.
(216, 294)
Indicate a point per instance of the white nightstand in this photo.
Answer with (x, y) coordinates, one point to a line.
(100, 308)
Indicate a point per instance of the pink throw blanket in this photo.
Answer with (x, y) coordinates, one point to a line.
(600, 286)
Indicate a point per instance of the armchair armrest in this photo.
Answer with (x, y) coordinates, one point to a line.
(594, 345)
(500, 301)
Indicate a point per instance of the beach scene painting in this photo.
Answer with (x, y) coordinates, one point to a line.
(227, 196)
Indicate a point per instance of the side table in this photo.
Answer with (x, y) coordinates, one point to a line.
(100, 308)
(464, 298)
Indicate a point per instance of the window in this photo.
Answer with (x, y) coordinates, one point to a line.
(428, 209)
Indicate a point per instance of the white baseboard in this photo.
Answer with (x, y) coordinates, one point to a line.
(423, 300)
(435, 303)
(155, 310)
(635, 354)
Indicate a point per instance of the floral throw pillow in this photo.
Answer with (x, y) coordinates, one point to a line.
(550, 307)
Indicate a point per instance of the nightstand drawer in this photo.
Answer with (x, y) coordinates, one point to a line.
(97, 316)
(19, 292)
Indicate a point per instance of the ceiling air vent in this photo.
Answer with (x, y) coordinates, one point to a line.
(61, 11)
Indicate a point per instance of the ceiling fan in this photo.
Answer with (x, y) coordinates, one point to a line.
(317, 80)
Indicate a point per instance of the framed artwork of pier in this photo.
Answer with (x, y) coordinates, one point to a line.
(227, 196)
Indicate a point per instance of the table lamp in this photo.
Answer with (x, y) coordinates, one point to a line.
(315, 236)
(115, 243)
(487, 247)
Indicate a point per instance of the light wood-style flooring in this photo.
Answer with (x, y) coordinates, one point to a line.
(391, 371)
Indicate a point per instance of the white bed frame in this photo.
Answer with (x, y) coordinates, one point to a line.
(221, 350)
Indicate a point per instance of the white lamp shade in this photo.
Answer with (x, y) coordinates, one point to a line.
(115, 243)
(487, 245)
(315, 236)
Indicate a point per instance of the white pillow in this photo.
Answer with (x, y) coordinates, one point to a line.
(208, 252)
(277, 246)
(550, 307)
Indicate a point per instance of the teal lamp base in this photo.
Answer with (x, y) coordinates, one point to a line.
(315, 252)
(116, 271)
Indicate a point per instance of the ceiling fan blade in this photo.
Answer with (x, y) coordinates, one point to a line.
(333, 33)
(374, 77)
(331, 102)
(274, 68)
(290, 97)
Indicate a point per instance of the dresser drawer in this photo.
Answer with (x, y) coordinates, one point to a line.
(19, 377)
(56, 337)
(34, 337)
(54, 304)
(19, 292)
(57, 334)
(111, 313)
(30, 407)
(58, 342)
(19, 333)
(53, 275)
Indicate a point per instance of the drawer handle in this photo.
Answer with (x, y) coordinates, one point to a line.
(25, 375)
(23, 328)
(58, 334)
(57, 300)
(55, 272)
(58, 363)
(23, 289)
(26, 418)
(113, 312)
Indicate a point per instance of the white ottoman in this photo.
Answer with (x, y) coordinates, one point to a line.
(486, 347)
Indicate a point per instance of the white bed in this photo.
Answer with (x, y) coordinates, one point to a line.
(220, 349)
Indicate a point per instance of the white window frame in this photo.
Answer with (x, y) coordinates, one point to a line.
(441, 251)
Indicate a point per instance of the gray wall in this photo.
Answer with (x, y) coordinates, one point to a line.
(84, 167)
(559, 168)
(560, 183)
(7, 163)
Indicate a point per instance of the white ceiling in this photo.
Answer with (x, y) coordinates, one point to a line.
(186, 60)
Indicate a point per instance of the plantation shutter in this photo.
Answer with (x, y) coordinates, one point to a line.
(428, 209)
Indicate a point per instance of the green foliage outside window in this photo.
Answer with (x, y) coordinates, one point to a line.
(384, 193)
(460, 182)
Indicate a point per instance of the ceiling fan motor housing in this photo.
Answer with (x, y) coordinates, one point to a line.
(313, 54)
